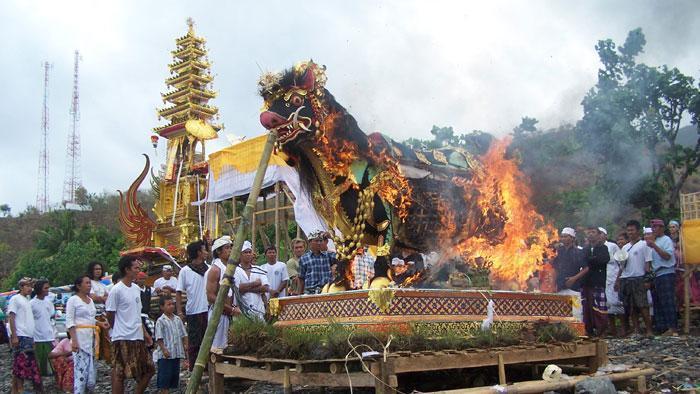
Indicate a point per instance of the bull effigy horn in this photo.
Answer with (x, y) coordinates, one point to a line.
(135, 223)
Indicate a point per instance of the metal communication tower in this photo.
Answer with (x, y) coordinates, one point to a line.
(73, 181)
(42, 194)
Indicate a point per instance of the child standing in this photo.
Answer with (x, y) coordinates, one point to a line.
(171, 342)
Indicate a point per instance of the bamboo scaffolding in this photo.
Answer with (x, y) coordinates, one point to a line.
(203, 355)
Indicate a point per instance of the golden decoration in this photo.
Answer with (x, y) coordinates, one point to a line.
(274, 306)
(383, 250)
(421, 157)
(200, 129)
(381, 298)
(439, 156)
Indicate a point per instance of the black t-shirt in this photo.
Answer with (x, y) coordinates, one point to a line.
(567, 264)
(597, 258)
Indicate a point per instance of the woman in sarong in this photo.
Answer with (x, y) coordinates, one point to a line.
(61, 358)
(80, 321)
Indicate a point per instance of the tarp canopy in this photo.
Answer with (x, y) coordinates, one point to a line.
(232, 170)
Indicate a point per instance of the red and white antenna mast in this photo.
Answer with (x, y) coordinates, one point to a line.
(42, 194)
(73, 181)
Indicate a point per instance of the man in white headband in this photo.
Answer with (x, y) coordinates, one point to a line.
(252, 284)
(221, 250)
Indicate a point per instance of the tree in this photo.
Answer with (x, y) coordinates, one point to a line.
(82, 196)
(5, 209)
(631, 122)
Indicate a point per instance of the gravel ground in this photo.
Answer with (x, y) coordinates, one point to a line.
(676, 360)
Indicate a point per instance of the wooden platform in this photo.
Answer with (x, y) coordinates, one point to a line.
(383, 373)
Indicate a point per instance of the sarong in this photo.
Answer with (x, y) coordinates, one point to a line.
(103, 344)
(595, 310)
(665, 312)
(63, 370)
(84, 372)
(221, 337)
(24, 365)
(131, 360)
(41, 351)
(196, 327)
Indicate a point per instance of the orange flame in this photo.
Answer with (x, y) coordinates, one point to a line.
(527, 235)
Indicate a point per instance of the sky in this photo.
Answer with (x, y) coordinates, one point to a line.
(399, 67)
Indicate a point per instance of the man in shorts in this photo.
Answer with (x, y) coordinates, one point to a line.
(131, 358)
(630, 281)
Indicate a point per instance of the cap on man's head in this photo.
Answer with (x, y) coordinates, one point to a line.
(167, 267)
(568, 231)
(647, 230)
(222, 241)
(603, 230)
(674, 222)
(246, 246)
(25, 281)
(656, 222)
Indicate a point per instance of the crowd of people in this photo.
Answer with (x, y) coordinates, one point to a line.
(620, 282)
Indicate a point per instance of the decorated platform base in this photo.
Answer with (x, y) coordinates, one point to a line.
(434, 309)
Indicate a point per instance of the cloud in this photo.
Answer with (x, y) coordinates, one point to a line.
(399, 66)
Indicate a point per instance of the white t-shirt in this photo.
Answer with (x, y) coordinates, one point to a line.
(639, 254)
(253, 301)
(194, 285)
(43, 311)
(99, 289)
(276, 274)
(160, 282)
(24, 318)
(125, 301)
(79, 313)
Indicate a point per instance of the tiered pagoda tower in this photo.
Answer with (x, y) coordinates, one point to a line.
(191, 121)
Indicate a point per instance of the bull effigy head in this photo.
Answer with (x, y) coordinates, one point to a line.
(294, 102)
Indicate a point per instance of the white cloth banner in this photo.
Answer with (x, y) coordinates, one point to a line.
(233, 183)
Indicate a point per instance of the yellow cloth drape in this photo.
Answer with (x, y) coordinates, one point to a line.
(243, 156)
(690, 233)
(96, 339)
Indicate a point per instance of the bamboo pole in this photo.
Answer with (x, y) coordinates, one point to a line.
(277, 217)
(203, 354)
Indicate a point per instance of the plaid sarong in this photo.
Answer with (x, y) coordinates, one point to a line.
(665, 312)
(595, 310)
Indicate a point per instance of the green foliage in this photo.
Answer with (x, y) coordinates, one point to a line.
(556, 332)
(5, 210)
(476, 142)
(631, 121)
(63, 248)
(336, 340)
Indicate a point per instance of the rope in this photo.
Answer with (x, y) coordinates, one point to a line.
(353, 349)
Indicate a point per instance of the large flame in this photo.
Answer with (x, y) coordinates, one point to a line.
(514, 257)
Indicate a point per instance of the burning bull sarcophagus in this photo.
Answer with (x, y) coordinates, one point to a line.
(371, 190)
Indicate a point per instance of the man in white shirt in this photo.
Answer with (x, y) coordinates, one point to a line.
(221, 250)
(21, 321)
(44, 335)
(664, 266)
(630, 281)
(277, 275)
(252, 284)
(166, 284)
(192, 281)
(131, 358)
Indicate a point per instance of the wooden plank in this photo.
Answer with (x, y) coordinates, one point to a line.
(314, 379)
(481, 359)
(216, 380)
(540, 386)
(501, 370)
